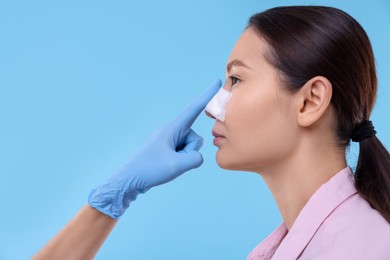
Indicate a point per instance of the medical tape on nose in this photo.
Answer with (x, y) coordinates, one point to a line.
(217, 105)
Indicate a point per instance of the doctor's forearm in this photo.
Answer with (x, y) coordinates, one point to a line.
(81, 238)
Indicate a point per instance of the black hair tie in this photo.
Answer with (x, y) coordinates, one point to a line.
(362, 131)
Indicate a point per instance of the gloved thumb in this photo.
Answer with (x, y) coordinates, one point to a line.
(192, 142)
(190, 160)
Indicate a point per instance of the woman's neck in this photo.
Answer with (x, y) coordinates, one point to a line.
(295, 180)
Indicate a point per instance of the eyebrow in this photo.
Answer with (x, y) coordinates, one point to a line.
(233, 63)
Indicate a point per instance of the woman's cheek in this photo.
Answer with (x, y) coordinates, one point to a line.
(233, 106)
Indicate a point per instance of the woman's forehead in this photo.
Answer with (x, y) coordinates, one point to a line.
(249, 49)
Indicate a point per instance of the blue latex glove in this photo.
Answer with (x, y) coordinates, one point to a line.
(172, 150)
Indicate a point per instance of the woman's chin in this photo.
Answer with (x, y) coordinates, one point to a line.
(224, 162)
(236, 163)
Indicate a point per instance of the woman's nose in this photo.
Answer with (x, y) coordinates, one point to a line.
(217, 105)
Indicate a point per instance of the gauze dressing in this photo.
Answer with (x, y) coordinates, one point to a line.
(217, 105)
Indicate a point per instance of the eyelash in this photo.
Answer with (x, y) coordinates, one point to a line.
(233, 79)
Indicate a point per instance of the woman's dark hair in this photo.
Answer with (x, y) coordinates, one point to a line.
(309, 41)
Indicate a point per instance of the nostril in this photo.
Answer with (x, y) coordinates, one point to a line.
(209, 115)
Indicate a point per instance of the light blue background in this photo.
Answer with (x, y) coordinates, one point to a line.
(84, 83)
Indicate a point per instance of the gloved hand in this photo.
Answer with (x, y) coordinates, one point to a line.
(172, 150)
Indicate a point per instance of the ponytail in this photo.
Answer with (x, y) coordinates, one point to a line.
(372, 175)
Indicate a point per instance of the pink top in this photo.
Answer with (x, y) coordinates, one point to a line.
(336, 223)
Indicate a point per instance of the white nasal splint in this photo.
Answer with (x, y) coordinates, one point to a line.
(217, 105)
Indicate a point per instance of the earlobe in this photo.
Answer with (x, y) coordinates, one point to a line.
(315, 97)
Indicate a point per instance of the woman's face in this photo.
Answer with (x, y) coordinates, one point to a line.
(259, 128)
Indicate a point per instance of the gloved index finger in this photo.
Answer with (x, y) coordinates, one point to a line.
(192, 111)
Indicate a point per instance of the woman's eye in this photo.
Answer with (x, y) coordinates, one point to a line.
(234, 80)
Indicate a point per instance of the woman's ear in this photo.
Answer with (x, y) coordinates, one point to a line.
(314, 99)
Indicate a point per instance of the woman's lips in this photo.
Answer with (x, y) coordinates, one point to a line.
(218, 137)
